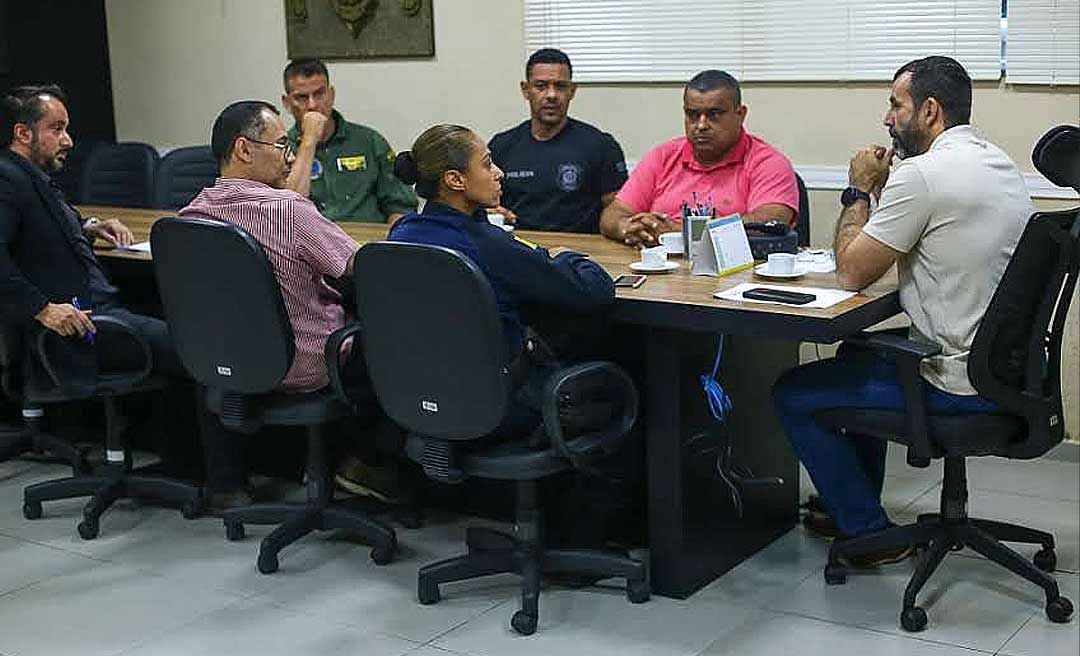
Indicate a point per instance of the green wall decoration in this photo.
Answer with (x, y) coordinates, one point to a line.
(359, 29)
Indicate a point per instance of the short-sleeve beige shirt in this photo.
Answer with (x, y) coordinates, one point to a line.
(955, 213)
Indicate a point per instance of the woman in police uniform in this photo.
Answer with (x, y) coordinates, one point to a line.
(452, 168)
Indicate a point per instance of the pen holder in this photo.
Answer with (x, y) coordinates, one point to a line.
(693, 227)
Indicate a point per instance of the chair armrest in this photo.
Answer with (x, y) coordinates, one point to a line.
(334, 362)
(892, 343)
(909, 355)
(595, 444)
(106, 325)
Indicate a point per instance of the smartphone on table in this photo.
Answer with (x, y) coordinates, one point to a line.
(778, 296)
(629, 280)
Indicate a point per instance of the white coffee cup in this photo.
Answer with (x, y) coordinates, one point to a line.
(654, 257)
(781, 263)
(673, 242)
(496, 219)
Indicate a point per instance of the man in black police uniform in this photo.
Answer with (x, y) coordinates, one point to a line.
(560, 172)
(48, 272)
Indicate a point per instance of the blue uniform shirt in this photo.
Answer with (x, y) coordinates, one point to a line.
(519, 271)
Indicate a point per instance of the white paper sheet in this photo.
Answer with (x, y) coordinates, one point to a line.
(826, 297)
(139, 247)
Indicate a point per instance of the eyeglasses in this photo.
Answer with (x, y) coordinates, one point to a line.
(285, 146)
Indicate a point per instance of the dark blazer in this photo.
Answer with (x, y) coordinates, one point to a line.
(39, 260)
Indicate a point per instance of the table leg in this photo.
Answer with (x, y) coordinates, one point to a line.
(695, 531)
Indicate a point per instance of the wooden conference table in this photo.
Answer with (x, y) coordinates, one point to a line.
(696, 531)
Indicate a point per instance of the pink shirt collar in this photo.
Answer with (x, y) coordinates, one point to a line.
(734, 156)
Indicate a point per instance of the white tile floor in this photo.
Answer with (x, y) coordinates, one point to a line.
(155, 584)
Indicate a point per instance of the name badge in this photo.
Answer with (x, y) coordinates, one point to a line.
(354, 163)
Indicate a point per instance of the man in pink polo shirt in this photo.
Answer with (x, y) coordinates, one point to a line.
(717, 160)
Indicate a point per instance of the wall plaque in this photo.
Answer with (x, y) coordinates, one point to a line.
(359, 29)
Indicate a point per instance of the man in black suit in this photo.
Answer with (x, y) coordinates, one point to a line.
(48, 272)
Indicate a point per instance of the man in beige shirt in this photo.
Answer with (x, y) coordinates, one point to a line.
(949, 216)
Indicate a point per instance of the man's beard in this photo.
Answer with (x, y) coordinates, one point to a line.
(51, 164)
(905, 142)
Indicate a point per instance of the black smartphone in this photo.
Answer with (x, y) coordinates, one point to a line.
(627, 280)
(778, 296)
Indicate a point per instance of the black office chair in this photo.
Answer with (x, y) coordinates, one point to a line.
(803, 225)
(434, 348)
(119, 174)
(40, 369)
(28, 436)
(1015, 362)
(69, 178)
(182, 174)
(232, 332)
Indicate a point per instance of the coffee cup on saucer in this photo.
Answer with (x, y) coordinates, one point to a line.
(673, 242)
(781, 264)
(654, 257)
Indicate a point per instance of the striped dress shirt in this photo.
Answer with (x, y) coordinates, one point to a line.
(304, 248)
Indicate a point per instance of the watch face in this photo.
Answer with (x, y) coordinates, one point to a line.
(851, 194)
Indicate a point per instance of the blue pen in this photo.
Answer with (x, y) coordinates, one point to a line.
(75, 303)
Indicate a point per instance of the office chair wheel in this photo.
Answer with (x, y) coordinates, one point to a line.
(1045, 559)
(32, 510)
(523, 623)
(637, 592)
(835, 574)
(234, 531)
(428, 594)
(1059, 610)
(267, 563)
(913, 619)
(88, 529)
(382, 555)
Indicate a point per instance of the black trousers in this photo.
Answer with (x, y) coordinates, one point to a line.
(173, 411)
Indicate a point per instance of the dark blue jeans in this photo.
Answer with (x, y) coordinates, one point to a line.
(849, 470)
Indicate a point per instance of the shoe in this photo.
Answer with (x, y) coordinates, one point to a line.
(383, 483)
(878, 558)
(822, 525)
(222, 501)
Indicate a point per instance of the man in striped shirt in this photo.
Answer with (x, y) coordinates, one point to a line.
(304, 248)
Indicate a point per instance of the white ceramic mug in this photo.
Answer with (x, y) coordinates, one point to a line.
(673, 242)
(781, 263)
(654, 257)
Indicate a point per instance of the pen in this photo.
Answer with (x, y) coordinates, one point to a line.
(75, 303)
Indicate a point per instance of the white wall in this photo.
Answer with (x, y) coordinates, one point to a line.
(176, 64)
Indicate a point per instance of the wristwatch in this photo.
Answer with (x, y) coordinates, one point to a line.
(90, 222)
(852, 195)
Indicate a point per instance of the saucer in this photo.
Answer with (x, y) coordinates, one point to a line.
(641, 267)
(763, 271)
(507, 227)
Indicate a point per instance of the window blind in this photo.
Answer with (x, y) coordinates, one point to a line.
(781, 40)
(1043, 44)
